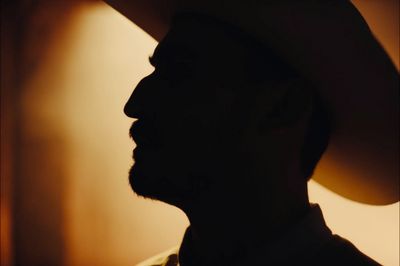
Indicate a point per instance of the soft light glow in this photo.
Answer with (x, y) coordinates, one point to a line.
(80, 90)
(373, 229)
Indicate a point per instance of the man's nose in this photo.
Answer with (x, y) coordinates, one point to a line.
(131, 108)
(142, 100)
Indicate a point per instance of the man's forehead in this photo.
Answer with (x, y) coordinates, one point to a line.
(166, 49)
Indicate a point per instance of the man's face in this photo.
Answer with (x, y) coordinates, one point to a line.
(193, 129)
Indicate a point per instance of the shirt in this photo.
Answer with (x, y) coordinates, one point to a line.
(309, 242)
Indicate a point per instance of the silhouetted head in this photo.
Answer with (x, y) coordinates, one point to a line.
(222, 114)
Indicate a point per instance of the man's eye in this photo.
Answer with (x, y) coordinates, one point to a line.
(174, 72)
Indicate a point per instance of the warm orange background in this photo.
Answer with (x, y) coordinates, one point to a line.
(67, 69)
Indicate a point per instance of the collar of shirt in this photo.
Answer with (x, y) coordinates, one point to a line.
(299, 243)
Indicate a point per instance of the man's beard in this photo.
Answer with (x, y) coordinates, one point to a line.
(163, 189)
(143, 186)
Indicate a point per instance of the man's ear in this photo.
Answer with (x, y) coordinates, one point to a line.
(292, 102)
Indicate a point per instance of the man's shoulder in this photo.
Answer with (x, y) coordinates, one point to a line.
(340, 251)
(166, 258)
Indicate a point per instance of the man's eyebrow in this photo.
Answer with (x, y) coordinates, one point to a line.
(152, 60)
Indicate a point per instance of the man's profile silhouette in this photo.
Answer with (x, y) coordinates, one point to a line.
(230, 132)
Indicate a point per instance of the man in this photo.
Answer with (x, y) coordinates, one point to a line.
(230, 131)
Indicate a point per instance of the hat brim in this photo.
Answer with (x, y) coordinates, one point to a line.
(329, 43)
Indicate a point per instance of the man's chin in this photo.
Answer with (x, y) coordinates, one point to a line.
(154, 188)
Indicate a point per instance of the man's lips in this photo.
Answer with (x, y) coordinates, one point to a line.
(145, 135)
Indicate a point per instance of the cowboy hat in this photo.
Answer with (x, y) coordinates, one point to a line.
(330, 44)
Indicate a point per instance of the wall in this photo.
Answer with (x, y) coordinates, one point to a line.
(67, 194)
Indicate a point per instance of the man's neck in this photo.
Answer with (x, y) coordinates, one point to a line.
(223, 230)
